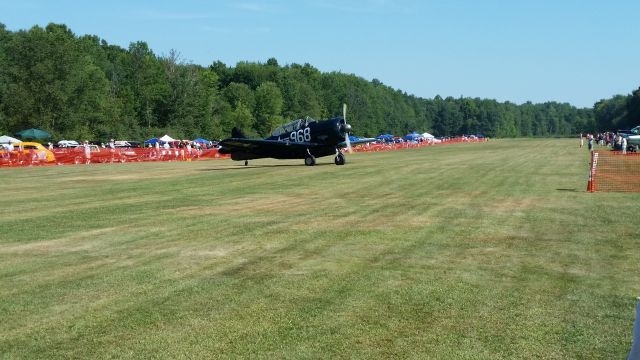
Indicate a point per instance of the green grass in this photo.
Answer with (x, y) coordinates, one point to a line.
(469, 251)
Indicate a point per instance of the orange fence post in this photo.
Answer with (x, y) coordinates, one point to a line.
(591, 186)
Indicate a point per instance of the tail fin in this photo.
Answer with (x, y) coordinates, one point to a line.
(237, 133)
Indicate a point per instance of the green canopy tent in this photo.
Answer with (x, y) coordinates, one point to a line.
(33, 134)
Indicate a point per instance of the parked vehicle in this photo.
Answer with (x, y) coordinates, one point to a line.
(34, 150)
(633, 138)
(127, 144)
(68, 143)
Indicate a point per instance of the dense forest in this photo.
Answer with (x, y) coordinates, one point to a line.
(81, 87)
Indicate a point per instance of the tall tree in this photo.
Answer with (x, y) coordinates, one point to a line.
(242, 118)
(632, 117)
(268, 107)
(610, 114)
(240, 93)
(149, 84)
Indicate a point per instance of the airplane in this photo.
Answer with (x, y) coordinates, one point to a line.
(300, 139)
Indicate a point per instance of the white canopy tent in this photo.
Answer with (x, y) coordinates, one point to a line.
(427, 136)
(4, 139)
(167, 138)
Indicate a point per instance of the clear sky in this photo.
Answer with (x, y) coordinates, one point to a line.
(575, 51)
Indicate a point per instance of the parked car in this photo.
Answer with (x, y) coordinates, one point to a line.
(127, 144)
(68, 143)
(633, 138)
(33, 148)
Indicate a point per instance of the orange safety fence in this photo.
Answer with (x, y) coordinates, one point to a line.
(98, 155)
(372, 147)
(614, 171)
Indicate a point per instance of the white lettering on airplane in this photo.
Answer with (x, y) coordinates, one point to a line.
(302, 135)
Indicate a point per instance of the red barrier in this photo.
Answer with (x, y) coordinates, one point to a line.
(614, 171)
(371, 147)
(98, 155)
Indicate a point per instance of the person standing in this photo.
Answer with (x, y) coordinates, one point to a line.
(166, 150)
(624, 145)
(19, 151)
(112, 149)
(581, 140)
(87, 151)
(9, 151)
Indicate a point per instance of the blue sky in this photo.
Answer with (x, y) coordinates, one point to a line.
(566, 50)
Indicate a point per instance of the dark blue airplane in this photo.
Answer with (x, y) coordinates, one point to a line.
(300, 139)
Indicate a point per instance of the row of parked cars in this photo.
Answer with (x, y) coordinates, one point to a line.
(118, 144)
(35, 150)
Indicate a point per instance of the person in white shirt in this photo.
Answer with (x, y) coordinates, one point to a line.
(87, 151)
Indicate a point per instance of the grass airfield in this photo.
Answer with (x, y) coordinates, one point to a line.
(466, 251)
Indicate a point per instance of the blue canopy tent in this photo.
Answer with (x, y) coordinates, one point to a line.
(385, 137)
(202, 141)
(151, 141)
(414, 136)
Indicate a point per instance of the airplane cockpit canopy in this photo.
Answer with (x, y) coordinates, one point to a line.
(292, 126)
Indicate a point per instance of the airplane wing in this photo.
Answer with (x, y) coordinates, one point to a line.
(252, 144)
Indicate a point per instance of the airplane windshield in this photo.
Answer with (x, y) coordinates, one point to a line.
(292, 126)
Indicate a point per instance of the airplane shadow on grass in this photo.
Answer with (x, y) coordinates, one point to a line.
(242, 167)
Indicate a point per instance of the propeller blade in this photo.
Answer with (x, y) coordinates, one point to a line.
(346, 133)
(346, 138)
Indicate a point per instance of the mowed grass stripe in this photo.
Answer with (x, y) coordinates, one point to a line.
(487, 250)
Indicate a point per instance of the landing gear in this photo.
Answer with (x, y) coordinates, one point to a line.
(339, 159)
(310, 160)
(246, 162)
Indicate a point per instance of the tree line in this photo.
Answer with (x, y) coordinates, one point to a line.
(81, 87)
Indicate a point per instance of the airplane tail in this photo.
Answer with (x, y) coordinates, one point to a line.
(237, 133)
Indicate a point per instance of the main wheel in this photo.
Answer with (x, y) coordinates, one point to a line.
(340, 160)
(310, 160)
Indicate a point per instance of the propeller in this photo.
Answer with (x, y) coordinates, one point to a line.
(346, 128)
